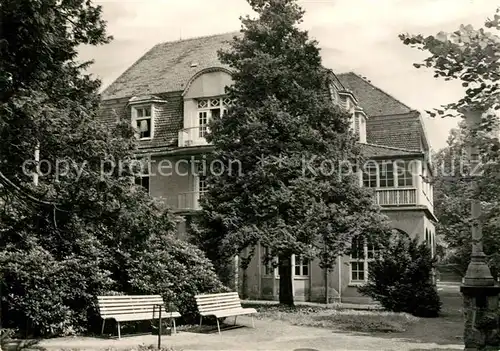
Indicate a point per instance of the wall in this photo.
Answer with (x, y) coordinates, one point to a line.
(208, 84)
(167, 183)
(412, 222)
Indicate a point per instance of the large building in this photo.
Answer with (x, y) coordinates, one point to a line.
(171, 93)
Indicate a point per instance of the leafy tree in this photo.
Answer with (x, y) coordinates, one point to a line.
(290, 192)
(82, 230)
(452, 205)
(401, 278)
(468, 55)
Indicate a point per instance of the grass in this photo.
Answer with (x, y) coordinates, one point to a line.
(339, 319)
(447, 329)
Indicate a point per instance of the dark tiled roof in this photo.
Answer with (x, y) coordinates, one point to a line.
(374, 101)
(400, 131)
(376, 151)
(167, 66)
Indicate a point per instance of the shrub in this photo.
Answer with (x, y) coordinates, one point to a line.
(52, 297)
(400, 279)
(177, 270)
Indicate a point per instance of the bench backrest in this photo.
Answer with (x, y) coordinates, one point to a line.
(111, 306)
(217, 302)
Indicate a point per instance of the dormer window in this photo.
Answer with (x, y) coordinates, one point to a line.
(142, 117)
(143, 110)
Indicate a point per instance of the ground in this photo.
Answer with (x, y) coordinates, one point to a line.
(442, 333)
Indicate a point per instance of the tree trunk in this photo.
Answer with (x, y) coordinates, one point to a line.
(244, 285)
(326, 286)
(285, 272)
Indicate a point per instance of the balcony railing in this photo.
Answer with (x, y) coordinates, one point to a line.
(396, 197)
(193, 136)
(185, 201)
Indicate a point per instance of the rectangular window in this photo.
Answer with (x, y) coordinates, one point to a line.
(386, 175)
(202, 185)
(143, 178)
(370, 175)
(143, 181)
(363, 252)
(143, 121)
(203, 122)
(357, 271)
(301, 267)
(404, 174)
(268, 267)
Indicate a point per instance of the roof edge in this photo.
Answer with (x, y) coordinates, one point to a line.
(395, 148)
(380, 90)
(235, 32)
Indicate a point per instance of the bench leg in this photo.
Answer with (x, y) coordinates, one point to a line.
(253, 324)
(119, 333)
(102, 329)
(235, 319)
(218, 326)
(201, 319)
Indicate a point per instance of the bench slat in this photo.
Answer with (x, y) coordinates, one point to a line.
(129, 310)
(222, 307)
(230, 313)
(217, 295)
(211, 304)
(224, 298)
(127, 297)
(143, 316)
(131, 303)
(146, 316)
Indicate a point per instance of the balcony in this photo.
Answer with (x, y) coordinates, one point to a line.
(404, 197)
(397, 197)
(185, 201)
(193, 136)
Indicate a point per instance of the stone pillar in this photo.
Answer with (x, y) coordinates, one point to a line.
(479, 289)
(482, 330)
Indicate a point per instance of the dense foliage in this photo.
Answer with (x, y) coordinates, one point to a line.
(468, 55)
(400, 278)
(84, 229)
(290, 190)
(452, 195)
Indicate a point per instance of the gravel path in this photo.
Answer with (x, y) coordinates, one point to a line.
(268, 335)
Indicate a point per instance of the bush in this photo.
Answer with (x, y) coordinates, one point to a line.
(400, 280)
(177, 270)
(49, 296)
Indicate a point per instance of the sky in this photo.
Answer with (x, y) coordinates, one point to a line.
(354, 35)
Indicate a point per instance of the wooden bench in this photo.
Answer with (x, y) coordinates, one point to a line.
(129, 308)
(222, 305)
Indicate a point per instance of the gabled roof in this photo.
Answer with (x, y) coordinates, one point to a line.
(374, 101)
(169, 66)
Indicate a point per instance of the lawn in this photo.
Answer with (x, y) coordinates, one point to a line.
(447, 329)
(338, 319)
